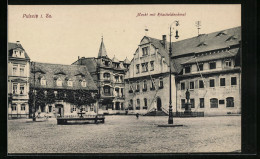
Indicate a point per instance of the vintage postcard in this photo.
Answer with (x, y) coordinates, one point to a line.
(100, 79)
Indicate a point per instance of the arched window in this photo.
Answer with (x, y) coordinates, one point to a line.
(59, 82)
(230, 102)
(70, 83)
(214, 103)
(83, 83)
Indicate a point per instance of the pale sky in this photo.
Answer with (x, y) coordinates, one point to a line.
(76, 30)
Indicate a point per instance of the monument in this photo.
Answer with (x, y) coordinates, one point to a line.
(187, 104)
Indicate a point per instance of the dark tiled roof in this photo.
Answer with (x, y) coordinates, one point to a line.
(213, 56)
(90, 63)
(53, 71)
(12, 46)
(208, 42)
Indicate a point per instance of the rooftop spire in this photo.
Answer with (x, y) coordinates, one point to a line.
(102, 50)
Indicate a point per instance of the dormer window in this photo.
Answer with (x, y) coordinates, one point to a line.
(187, 69)
(59, 82)
(43, 81)
(70, 83)
(202, 44)
(18, 53)
(231, 38)
(228, 63)
(83, 83)
(222, 33)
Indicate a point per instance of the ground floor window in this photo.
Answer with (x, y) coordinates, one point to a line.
(73, 109)
(13, 107)
(202, 103)
(192, 101)
(230, 102)
(182, 103)
(50, 108)
(23, 107)
(214, 103)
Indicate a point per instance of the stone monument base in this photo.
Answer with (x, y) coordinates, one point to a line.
(187, 109)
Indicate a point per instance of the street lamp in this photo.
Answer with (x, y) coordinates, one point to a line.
(170, 120)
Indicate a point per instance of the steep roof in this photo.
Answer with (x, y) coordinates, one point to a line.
(53, 71)
(115, 59)
(126, 61)
(102, 50)
(12, 46)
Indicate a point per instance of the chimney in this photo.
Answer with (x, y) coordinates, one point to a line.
(78, 57)
(18, 43)
(164, 41)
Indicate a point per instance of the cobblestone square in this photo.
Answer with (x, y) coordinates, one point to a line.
(127, 134)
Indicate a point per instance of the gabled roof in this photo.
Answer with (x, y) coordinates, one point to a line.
(12, 46)
(90, 63)
(102, 50)
(70, 72)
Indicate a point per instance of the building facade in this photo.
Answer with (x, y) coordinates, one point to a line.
(208, 66)
(62, 87)
(147, 80)
(18, 81)
(210, 69)
(108, 75)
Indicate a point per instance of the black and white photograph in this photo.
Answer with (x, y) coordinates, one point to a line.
(122, 79)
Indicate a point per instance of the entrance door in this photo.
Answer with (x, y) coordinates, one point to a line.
(159, 104)
(59, 108)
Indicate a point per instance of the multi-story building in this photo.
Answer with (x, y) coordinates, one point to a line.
(62, 86)
(147, 81)
(108, 75)
(207, 65)
(18, 81)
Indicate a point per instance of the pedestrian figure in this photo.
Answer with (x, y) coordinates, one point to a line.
(137, 115)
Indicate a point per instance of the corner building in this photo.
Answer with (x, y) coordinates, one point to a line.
(108, 75)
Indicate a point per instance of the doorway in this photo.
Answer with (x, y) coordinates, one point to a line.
(59, 108)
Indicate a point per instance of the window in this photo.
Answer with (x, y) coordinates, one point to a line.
(221, 102)
(182, 86)
(200, 67)
(23, 107)
(201, 84)
(230, 102)
(212, 65)
(107, 89)
(137, 68)
(152, 85)
(228, 63)
(213, 103)
(192, 85)
(117, 78)
(161, 83)
(192, 101)
(187, 69)
(145, 51)
(22, 89)
(15, 70)
(202, 103)
(13, 107)
(106, 75)
(83, 83)
(83, 109)
(15, 91)
(43, 82)
(145, 86)
(74, 109)
(50, 108)
(212, 83)
(91, 108)
(222, 82)
(59, 82)
(152, 65)
(70, 83)
(22, 70)
(137, 87)
(182, 103)
(138, 104)
(145, 67)
(131, 103)
(233, 81)
(145, 102)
